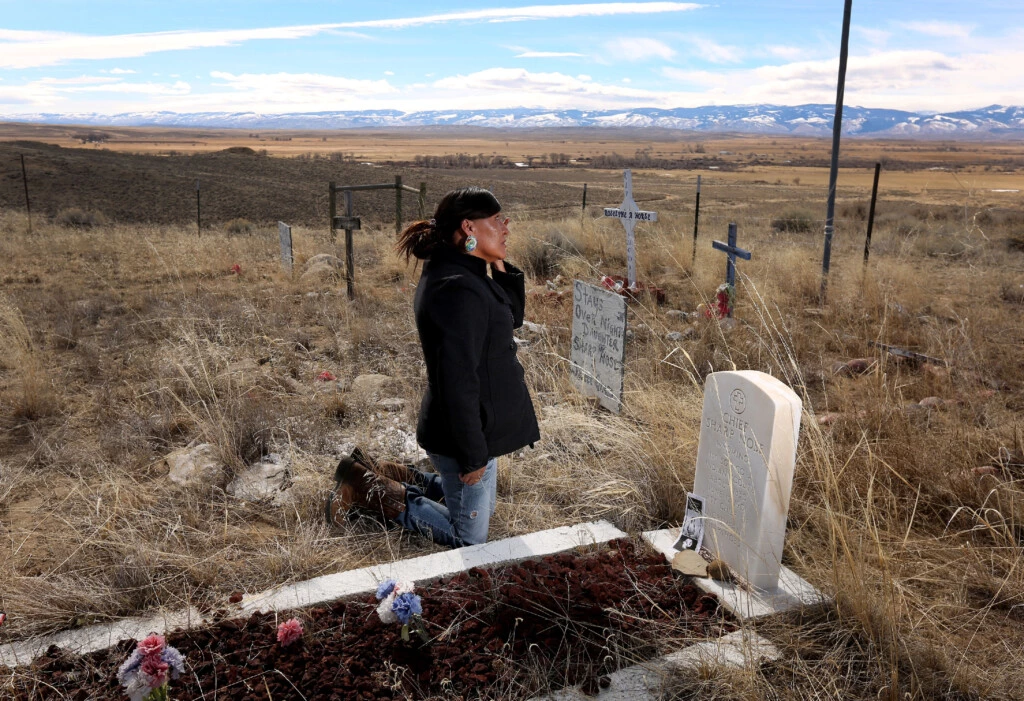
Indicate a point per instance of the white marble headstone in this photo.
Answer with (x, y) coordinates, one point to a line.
(745, 460)
(598, 354)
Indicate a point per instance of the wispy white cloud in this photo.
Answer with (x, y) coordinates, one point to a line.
(638, 49)
(120, 71)
(790, 53)
(916, 80)
(548, 54)
(944, 30)
(20, 49)
(281, 87)
(713, 52)
(872, 35)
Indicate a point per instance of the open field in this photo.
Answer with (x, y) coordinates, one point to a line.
(126, 340)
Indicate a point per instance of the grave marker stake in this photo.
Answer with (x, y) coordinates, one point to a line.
(871, 213)
(284, 232)
(732, 251)
(584, 198)
(696, 218)
(629, 214)
(423, 199)
(28, 207)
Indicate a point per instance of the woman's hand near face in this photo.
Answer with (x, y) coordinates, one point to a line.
(473, 477)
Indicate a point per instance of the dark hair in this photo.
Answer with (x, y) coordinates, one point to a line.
(423, 238)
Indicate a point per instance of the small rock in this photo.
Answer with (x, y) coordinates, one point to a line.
(859, 366)
(323, 259)
(676, 314)
(841, 369)
(985, 470)
(236, 597)
(318, 273)
(263, 481)
(673, 336)
(197, 464)
(728, 324)
(629, 334)
(391, 404)
(539, 329)
(370, 384)
(720, 572)
(552, 285)
(829, 418)
(690, 563)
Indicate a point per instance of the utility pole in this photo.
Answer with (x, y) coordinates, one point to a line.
(837, 127)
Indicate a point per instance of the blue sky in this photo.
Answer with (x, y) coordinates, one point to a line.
(110, 56)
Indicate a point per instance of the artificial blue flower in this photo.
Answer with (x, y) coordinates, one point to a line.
(130, 665)
(406, 606)
(172, 657)
(385, 588)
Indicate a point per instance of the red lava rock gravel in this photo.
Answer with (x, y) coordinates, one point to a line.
(511, 630)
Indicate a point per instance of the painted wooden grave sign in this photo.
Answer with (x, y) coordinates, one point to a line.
(598, 354)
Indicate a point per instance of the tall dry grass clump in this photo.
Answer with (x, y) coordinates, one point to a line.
(906, 509)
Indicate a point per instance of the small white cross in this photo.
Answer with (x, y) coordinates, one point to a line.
(629, 214)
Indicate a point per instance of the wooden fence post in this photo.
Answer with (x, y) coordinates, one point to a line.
(398, 204)
(423, 199)
(199, 219)
(332, 209)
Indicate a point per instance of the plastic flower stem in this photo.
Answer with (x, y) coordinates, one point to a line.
(405, 632)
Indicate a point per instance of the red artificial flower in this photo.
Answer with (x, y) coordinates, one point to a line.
(289, 631)
(326, 376)
(152, 645)
(155, 670)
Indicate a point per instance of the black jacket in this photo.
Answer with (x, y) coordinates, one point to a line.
(476, 405)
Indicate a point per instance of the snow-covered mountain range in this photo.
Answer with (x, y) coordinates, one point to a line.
(811, 120)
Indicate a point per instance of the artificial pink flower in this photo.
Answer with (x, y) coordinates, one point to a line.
(155, 670)
(152, 645)
(289, 631)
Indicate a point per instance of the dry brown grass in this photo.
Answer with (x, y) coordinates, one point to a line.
(120, 344)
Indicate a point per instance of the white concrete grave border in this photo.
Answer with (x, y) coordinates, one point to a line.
(321, 589)
(645, 682)
(745, 602)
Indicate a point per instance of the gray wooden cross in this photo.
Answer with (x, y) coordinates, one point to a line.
(733, 252)
(629, 214)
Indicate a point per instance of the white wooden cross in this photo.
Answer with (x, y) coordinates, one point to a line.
(629, 214)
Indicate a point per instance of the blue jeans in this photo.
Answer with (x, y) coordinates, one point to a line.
(465, 516)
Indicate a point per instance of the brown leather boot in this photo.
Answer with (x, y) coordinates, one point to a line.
(357, 485)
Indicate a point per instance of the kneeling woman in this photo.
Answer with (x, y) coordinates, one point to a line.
(476, 406)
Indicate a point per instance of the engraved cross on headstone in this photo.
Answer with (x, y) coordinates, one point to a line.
(629, 214)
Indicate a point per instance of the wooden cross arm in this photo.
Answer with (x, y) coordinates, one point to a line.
(738, 252)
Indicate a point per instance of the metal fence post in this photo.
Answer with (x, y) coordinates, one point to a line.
(398, 204)
(332, 209)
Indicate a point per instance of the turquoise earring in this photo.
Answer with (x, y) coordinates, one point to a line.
(470, 244)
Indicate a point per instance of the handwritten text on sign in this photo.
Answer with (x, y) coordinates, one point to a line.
(598, 354)
(640, 215)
